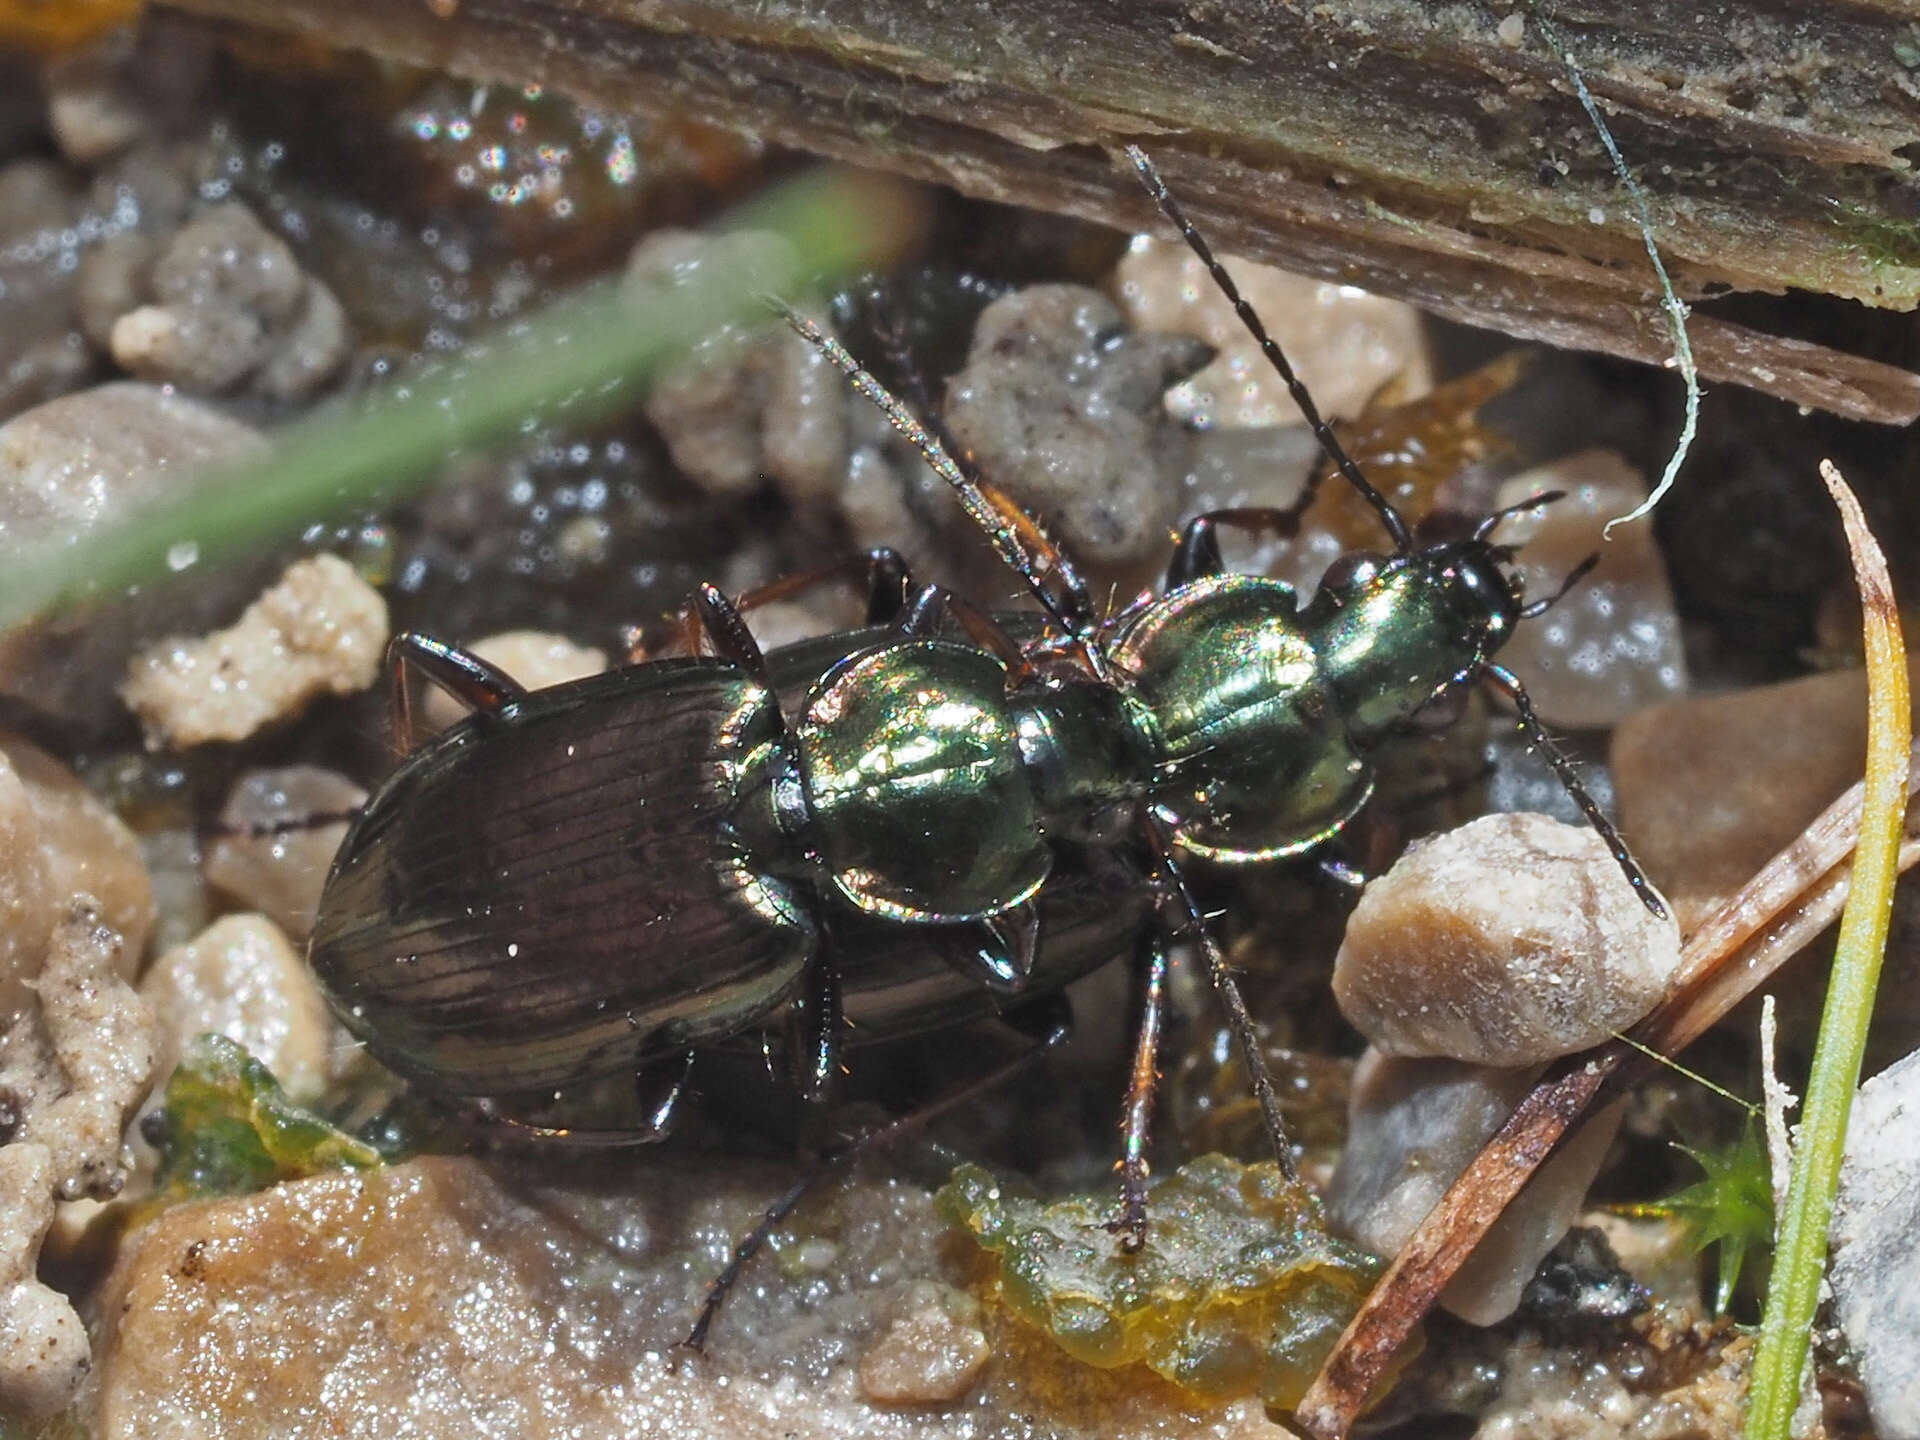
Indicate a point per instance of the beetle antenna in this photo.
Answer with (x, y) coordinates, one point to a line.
(1014, 534)
(1323, 432)
(1534, 609)
(1533, 502)
(1509, 684)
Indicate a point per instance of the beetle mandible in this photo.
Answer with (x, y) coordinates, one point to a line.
(885, 832)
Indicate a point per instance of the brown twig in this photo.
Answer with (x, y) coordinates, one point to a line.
(1791, 899)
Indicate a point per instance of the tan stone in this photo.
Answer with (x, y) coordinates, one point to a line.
(931, 1351)
(1510, 941)
(1710, 789)
(87, 460)
(321, 630)
(26, 894)
(79, 1062)
(448, 1298)
(1610, 645)
(1347, 346)
(43, 1346)
(242, 978)
(87, 849)
(281, 874)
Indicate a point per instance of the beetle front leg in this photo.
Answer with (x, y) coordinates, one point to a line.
(462, 674)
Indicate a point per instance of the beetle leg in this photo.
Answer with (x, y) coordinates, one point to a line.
(716, 617)
(1197, 556)
(660, 1087)
(882, 570)
(1136, 1118)
(816, 1023)
(462, 674)
(933, 605)
(1012, 940)
(1220, 975)
(1059, 1024)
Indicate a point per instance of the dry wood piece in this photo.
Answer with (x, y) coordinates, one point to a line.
(1430, 152)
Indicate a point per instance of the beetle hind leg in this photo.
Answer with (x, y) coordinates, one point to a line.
(474, 682)
(1048, 1021)
(661, 1088)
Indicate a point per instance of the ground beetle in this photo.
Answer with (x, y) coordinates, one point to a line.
(890, 831)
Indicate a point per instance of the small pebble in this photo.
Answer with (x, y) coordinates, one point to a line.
(281, 875)
(1412, 1127)
(931, 1351)
(1510, 941)
(242, 978)
(86, 847)
(1875, 1272)
(1349, 348)
(207, 349)
(533, 657)
(1512, 30)
(91, 114)
(224, 300)
(176, 866)
(1060, 407)
(746, 401)
(26, 894)
(321, 630)
(75, 464)
(44, 1355)
(1611, 645)
(77, 1064)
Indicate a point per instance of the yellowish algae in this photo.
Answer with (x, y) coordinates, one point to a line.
(1240, 1290)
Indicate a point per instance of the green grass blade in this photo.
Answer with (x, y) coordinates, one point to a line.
(1800, 1260)
(581, 357)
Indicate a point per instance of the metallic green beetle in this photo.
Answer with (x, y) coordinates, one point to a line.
(894, 830)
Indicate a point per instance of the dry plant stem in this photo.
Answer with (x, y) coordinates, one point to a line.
(1384, 143)
(1777, 913)
(1800, 1257)
(1670, 303)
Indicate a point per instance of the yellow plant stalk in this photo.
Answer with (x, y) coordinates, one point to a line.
(1800, 1256)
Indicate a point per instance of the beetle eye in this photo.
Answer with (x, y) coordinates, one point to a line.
(1354, 568)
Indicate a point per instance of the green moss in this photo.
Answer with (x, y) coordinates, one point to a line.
(1732, 1207)
(1239, 1290)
